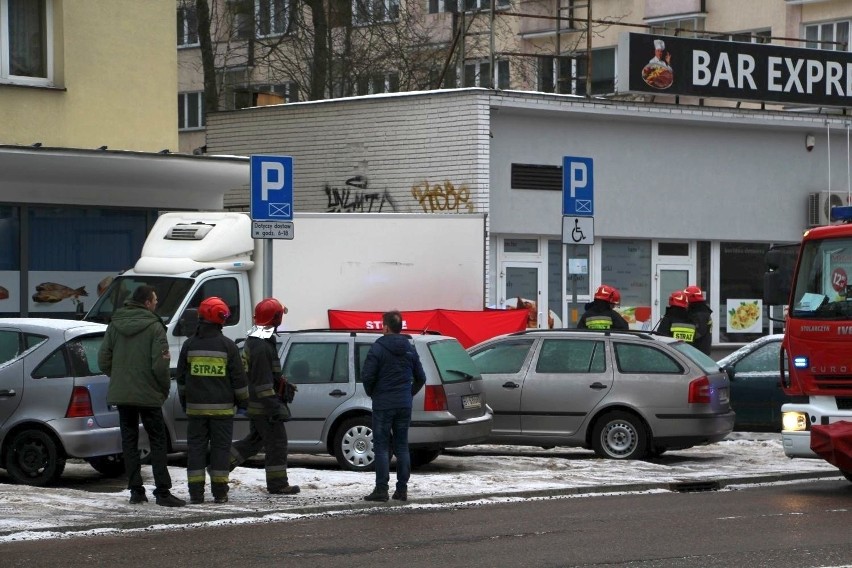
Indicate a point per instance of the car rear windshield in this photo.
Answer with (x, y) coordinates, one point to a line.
(453, 362)
(707, 364)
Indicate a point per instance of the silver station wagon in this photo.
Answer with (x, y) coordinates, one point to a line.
(53, 400)
(331, 414)
(626, 395)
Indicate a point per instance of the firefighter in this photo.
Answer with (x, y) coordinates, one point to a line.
(677, 322)
(211, 380)
(266, 409)
(703, 316)
(599, 312)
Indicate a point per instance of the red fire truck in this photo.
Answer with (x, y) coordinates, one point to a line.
(816, 353)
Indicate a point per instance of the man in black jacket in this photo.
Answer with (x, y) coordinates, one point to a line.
(599, 312)
(677, 322)
(210, 380)
(392, 375)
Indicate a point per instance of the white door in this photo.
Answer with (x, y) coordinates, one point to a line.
(667, 279)
(521, 286)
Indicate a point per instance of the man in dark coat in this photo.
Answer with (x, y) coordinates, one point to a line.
(599, 312)
(677, 322)
(392, 375)
(135, 356)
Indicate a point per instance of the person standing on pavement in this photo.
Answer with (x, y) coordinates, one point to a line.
(135, 356)
(600, 312)
(211, 380)
(677, 322)
(392, 375)
(703, 316)
(266, 409)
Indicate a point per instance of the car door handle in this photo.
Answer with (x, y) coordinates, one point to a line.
(8, 393)
(337, 392)
(597, 386)
(511, 385)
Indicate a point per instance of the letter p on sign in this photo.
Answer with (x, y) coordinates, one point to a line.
(271, 178)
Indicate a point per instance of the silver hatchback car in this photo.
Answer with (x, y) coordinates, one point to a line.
(625, 395)
(53, 400)
(331, 413)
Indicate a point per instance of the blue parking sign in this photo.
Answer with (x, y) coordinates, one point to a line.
(578, 184)
(272, 188)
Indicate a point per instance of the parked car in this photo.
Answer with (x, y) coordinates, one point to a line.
(53, 400)
(331, 414)
(626, 395)
(756, 394)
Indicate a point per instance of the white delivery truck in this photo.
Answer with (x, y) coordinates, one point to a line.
(345, 261)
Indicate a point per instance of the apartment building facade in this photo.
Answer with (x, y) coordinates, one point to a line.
(87, 136)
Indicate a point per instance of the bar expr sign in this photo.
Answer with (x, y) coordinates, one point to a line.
(734, 70)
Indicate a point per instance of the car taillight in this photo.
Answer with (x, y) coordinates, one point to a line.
(436, 398)
(81, 404)
(699, 391)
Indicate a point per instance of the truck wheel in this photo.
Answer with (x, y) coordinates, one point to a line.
(621, 436)
(34, 458)
(353, 444)
(847, 474)
(419, 458)
(108, 466)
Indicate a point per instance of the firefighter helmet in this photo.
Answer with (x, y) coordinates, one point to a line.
(678, 298)
(607, 294)
(694, 294)
(616, 296)
(214, 310)
(269, 312)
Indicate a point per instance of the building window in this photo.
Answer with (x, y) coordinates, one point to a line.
(26, 42)
(377, 83)
(478, 74)
(191, 115)
(373, 11)
(838, 32)
(626, 264)
(681, 27)
(273, 18)
(437, 6)
(571, 77)
(474, 5)
(187, 25)
(757, 36)
(741, 268)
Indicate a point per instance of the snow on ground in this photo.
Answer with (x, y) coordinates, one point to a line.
(84, 503)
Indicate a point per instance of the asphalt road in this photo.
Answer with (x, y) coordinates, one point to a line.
(795, 525)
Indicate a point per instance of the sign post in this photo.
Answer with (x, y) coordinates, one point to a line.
(578, 209)
(271, 206)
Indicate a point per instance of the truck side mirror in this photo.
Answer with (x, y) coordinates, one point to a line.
(187, 323)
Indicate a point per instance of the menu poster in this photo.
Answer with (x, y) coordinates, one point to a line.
(744, 316)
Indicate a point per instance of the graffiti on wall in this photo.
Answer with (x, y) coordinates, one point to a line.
(443, 198)
(355, 197)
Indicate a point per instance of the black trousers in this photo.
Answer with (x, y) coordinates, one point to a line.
(204, 433)
(268, 435)
(155, 427)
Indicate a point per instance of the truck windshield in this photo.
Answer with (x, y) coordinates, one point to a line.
(170, 293)
(822, 290)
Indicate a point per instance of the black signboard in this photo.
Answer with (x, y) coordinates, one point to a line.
(671, 65)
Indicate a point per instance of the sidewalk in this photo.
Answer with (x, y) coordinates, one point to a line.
(84, 503)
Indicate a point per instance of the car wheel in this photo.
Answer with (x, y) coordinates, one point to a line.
(353, 444)
(420, 458)
(108, 466)
(847, 474)
(34, 458)
(621, 436)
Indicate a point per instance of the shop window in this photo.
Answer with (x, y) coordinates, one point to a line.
(576, 270)
(741, 267)
(626, 264)
(10, 236)
(26, 42)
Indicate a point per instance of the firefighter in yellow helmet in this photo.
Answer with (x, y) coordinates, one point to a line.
(600, 312)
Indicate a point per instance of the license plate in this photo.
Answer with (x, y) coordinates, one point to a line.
(471, 401)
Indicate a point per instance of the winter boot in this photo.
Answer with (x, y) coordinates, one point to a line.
(220, 492)
(169, 500)
(378, 494)
(196, 493)
(137, 496)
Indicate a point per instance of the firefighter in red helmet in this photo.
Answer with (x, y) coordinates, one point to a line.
(677, 322)
(600, 312)
(267, 407)
(700, 311)
(211, 380)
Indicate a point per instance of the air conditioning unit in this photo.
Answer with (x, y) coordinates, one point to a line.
(819, 207)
